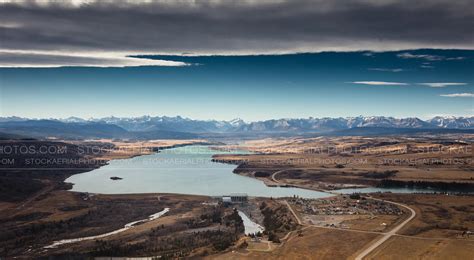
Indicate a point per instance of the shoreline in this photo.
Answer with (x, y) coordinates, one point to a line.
(154, 150)
(56, 180)
(400, 184)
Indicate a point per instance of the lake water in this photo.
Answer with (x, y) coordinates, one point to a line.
(184, 170)
(190, 170)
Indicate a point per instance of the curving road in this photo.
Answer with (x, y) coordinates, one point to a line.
(385, 235)
(388, 234)
(274, 174)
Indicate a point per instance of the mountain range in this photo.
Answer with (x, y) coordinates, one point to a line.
(149, 127)
(178, 123)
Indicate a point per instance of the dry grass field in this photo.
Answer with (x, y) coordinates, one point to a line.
(378, 223)
(339, 162)
(126, 149)
(437, 215)
(313, 243)
(435, 233)
(414, 248)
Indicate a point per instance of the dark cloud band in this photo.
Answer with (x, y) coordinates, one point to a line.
(235, 27)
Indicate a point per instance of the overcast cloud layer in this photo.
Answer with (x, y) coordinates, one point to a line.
(119, 28)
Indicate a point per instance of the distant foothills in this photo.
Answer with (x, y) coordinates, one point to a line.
(156, 127)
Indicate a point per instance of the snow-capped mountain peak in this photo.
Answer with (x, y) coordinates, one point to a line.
(181, 124)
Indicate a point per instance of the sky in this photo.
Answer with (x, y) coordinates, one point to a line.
(253, 60)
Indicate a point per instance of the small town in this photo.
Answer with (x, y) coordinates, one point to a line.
(345, 205)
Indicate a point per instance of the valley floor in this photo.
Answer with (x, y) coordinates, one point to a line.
(339, 227)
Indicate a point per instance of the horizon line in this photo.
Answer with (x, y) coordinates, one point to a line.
(233, 119)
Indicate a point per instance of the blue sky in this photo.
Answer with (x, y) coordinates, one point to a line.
(251, 87)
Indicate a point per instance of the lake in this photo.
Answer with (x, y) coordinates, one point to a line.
(190, 170)
(183, 170)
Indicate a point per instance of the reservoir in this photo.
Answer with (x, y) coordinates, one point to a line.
(183, 170)
(190, 170)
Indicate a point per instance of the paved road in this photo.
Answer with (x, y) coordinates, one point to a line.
(385, 235)
(274, 174)
(388, 234)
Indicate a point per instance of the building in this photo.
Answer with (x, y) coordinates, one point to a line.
(239, 197)
(235, 198)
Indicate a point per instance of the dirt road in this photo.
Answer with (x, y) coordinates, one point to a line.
(294, 213)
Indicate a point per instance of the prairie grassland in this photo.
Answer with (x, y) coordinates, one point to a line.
(437, 215)
(126, 149)
(313, 243)
(338, 162)
(413, 248)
